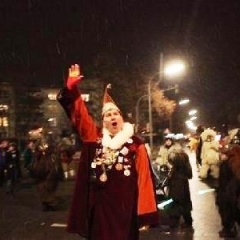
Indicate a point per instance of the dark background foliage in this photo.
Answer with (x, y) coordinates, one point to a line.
(121, 40)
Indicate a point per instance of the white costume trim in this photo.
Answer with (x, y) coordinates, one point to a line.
(119, 139)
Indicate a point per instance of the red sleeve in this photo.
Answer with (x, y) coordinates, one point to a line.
(83, 122)
(146, 189)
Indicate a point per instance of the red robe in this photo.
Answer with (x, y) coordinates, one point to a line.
(117, 208)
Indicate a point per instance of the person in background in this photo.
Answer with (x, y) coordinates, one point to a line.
(3, 150)
(18, 164)
(114, 194)
(28, 154)
(165, 149)
(228, 192)
(67, 164)
(12, 165)
(66, 152)
(199, 131)
(209, 155)
(45, 168)
(193, 143)
(178, 190)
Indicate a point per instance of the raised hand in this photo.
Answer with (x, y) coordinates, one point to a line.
(74, 76)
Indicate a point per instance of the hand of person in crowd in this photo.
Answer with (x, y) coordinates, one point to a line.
(74, 76)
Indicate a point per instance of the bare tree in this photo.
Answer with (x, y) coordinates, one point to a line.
(162, 105)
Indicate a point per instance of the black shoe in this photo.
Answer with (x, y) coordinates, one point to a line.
(186, 225)
(46, 207)
(224, 233)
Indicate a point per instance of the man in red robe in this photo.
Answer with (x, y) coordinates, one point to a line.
(114, 194)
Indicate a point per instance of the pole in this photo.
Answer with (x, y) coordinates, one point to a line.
(161, 68)
(150, 102)
(150, 115)
(171, 123)
(137, 111)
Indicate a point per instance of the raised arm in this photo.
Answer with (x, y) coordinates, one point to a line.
(75, 108)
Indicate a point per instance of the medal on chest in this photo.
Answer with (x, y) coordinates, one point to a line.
(107, 159)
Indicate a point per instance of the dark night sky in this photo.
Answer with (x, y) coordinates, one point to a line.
(40, 38)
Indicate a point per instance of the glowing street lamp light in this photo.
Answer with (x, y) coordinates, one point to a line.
(184, 101)
(174, 68)
(191, 125)
(192, 112)
(193, 118)
(171, 69)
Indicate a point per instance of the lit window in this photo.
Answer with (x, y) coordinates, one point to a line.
(5, 122)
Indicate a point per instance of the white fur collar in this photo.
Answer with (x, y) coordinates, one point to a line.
(119, 139)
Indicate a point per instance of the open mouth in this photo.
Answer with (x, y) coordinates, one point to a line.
(114, 124)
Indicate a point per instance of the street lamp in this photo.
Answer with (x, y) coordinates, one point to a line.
(190, 124)
(137, 111)
(192, 112)
(184, 101)
(193, 118)
(181, 103)
(172, 69)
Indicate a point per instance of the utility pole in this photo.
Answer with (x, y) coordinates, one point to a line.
(150, 101)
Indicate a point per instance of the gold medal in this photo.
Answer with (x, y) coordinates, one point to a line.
(119, 166)
(103, 177)
(127, 172)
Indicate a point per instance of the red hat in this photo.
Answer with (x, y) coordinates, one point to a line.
(108, 103)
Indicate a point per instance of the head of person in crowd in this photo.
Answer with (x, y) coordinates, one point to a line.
(168, 141)
(208, 135)
(4, 144)
(12, 146)
(30, 144)
(199, 130)
(35, 133)
(236, 137)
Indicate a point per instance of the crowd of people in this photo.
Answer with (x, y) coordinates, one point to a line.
(117, 180)
(10, 169)
(217, 159)
(42, 160)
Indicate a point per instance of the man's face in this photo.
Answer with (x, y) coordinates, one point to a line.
(113, 121)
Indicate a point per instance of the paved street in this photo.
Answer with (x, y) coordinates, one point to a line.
(21, 217)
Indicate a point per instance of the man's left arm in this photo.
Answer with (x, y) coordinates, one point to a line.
(147, 207)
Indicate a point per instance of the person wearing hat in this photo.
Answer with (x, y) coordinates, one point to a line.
(114, 193)
(165, 149)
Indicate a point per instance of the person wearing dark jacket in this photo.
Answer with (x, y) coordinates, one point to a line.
(228, 193)
(115, 193)
(28, 154)
(44, 168)
(199, 131)
(12, 166)
(179, 191)
(3, 150)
